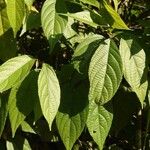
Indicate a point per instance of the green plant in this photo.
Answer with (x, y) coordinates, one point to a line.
(74, 74)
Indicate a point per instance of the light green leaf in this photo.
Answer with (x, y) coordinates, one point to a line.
(29, 2)
(26, 127)
(83, 16)
(53, 24)
(14, 70)
(3, 111)
(16, 12)
(10, 146)
(84, 51)
(49, 93)
(82, 47)
(21, 100)
(112, 17)
(69, 32)
(134, 66)
(105, 72)
(15, 116)
(72, 114)
(4, 22)
(116, 4)
(26, 145)
(99, 122)
(91, 2)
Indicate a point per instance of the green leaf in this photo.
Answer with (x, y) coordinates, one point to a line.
(91, 2)
(84, 51)
(116, 4)
(49, 93)
(69, 32)
(3, 111)
(16, 12)
(26, 145)
(33, 20)
(14, 70)
(15, 116)
(105, 72)
(2, 4)
(112, 17)
(53, 24)
(73, 111)
(21, 100)
(125, 103)
(8, 47)
(134, 66)
(29, 2)
(99, 122)
(82, 47)
(26, 127)
(85, 17)
(10, 146)
(4, 22)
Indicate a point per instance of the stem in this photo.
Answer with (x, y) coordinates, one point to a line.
(147, 127)
(138, 137)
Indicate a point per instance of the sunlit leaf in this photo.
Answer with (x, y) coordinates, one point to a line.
(21, 100)
(105, 72)
(72, 114)
(49, 93)
(4, 21)
(53, 24)
(14, 70)
(134, 66)
(15, 11)
(99, 122)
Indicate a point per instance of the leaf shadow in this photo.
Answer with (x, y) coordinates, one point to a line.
(74, 95)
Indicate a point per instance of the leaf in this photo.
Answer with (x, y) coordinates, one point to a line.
(105, 72)
(21, 100)
(29, 2)
(2, 4)
(83, 16)
(116, 4)
(69, 32)
(3, 111)
(14, 70)
(91, 2)
(4, 22)
(99, 122)
(53, 24)
(15, 116)
(10, 146)
(26, 127)
(82, 47)
(26, 145)
(134, 66)
(16, 12)
(8, 47)
(73, 111)
(33, 20)
(84, 51)
(112, 17)
(49, 93)
(125, 103)
(37, 110)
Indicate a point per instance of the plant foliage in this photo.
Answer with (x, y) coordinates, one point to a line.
(74, 74)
